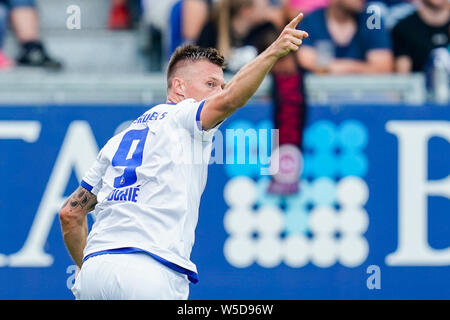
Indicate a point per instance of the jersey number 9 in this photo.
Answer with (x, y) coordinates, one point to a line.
(129, 155)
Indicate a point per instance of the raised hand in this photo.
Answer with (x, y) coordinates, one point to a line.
(290, 38)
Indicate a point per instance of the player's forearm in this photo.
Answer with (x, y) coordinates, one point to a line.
(247, 81)
(74, 223)
(75, 235)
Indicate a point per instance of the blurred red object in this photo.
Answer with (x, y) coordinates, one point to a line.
(119, 17)
(5, 62)
(306, 6)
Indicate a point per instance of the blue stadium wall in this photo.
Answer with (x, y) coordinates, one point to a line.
(372, 220)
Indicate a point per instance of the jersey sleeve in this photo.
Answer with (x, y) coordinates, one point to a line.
(188, 117)
(92, 181)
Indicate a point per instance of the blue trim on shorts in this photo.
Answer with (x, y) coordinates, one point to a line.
(86, 185)
(192, 276)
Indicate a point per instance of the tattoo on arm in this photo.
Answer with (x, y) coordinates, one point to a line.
(81, 199)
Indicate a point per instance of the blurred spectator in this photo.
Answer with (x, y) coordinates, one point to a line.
(394, 11)
(5, 62)
(157, 12)
(293, 7)
(240, 29)
(417, 35)
(393, 2)
(25, 22)
(341, 41)
(196, 14)
(156, 19)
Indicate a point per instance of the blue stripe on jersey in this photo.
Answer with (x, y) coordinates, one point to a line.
(197, 117)
(192, 276)
(86, 185)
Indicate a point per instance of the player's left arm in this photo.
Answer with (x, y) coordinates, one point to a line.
(74, 222)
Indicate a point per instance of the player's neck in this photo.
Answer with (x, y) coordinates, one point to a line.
(173, 98)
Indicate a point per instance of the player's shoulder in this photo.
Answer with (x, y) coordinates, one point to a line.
(189, 102)
(187, 106)
(172, 106)
(162, 112)
(155, 113)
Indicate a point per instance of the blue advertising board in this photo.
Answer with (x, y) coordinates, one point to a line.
(371, 220)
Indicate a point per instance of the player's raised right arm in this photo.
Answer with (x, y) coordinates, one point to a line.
(245, 83)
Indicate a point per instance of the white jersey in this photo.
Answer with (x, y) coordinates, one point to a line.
(149, 180)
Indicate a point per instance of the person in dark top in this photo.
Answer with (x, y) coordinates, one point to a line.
(345, 39)
(239, 29)
(195, 14)
(417, 35)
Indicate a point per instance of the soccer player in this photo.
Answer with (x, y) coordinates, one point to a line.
(146, 202)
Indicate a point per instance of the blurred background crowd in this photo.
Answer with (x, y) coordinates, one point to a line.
(346, 36)
(363, 119)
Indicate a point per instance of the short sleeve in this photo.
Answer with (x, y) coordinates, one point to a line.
(92, 181)
(188, 116)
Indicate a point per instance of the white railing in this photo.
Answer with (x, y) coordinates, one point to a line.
(373, 89)
(40, 87)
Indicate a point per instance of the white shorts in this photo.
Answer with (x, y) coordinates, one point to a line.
(133, 276)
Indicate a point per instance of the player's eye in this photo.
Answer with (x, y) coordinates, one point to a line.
(210, 84)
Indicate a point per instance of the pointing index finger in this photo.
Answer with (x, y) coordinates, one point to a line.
(293, 24)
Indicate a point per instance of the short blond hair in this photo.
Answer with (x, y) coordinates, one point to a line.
(192, 53)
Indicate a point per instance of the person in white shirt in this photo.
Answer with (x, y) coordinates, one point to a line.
(146, 183)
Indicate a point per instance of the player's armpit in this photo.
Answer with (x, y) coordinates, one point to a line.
(215, 111)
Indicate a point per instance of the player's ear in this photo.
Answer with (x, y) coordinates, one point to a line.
(178, 87)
